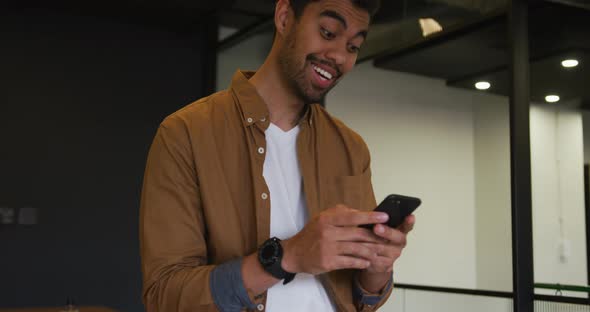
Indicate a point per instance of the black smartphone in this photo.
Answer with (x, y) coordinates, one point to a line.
(398, 207)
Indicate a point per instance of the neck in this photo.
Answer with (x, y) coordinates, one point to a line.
(284, 107)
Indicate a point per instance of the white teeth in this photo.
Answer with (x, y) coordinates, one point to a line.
(322, 72)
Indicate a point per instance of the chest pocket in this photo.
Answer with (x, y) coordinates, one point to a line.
(351, 191)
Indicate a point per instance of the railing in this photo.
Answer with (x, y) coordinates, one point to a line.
(418, 298)
(558, 302)
(560, 288)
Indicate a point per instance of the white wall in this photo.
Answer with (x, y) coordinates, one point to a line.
(248, 55)
(492, 192)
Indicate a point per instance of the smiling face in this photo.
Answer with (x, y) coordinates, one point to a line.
(321, 46)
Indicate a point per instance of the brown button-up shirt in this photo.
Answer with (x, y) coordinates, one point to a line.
(205, 200)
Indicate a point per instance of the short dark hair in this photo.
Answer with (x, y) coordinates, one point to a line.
(371, 6)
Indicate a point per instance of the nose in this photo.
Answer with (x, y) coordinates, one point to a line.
(337, 54)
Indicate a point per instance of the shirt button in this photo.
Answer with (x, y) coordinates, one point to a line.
(261, 150)
(260, 307)
(250, 120)
(264, 196)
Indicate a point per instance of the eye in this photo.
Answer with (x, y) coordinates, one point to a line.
(326, 33)
(353, 49)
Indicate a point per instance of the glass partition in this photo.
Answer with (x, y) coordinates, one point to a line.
(558, 124)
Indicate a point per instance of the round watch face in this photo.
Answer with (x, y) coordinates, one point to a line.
(268, 254)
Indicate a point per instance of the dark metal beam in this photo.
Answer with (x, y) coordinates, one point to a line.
(488, 293)
(583, 4)
(587, 209)
(461, 291)
(562, 299)
(419, 42)
(520, 158)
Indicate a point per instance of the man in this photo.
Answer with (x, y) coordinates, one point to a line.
(252, 196)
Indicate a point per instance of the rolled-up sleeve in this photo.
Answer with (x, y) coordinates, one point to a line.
(366, 301)
(227, 287)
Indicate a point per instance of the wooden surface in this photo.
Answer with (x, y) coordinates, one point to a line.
(58, 309)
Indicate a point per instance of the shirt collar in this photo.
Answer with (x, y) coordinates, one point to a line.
(253, 108)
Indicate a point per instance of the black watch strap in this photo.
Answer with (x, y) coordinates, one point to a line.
(270, 256)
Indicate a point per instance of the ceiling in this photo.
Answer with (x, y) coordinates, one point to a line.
(174, 15)
(480, 52)
(472, 45)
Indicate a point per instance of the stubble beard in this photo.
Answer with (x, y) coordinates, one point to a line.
(293, 72)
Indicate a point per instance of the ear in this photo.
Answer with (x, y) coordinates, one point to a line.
(283, 15)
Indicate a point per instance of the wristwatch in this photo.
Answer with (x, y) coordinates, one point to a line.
(270, 255)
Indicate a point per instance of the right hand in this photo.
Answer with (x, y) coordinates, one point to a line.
(333, 241)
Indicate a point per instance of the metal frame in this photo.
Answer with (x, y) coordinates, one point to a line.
(574, 3)
(561, 299)
(462, 291)
(587, 206)
(437, 38)
(488, 293)
(520, 159)
(245, 33)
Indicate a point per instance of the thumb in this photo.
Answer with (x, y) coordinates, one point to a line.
(408, 224)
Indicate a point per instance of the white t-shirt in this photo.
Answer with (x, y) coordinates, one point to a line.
(288, 215)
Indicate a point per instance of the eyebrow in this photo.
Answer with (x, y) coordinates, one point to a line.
(335, 15)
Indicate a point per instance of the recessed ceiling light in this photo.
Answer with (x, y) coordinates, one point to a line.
(482, 85)
(429, 26)
(569, 63)
(552, 98)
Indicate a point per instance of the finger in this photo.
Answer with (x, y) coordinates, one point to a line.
(356, 218)
(357, 234)
(348, 262)
(382, 264)
(391, 252)
(340, 207)
(366, 251)
(408, 224)
(394, 236)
